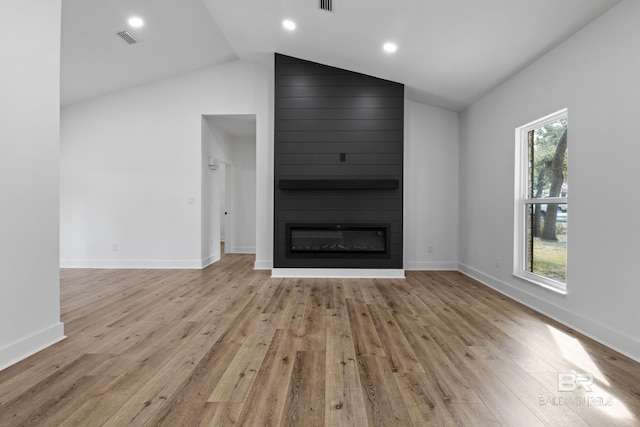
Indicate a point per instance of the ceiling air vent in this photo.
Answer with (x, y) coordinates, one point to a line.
(128, 37)
(326, 5)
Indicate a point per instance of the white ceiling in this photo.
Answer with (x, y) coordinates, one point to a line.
(451, 52)
(178, 36)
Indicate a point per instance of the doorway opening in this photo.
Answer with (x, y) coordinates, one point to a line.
(228, 185)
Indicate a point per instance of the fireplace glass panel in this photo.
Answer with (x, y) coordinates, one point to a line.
(338, 240)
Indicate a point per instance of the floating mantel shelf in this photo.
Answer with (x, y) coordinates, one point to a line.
(339, 184)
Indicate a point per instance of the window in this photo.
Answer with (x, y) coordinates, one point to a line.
(541, 208)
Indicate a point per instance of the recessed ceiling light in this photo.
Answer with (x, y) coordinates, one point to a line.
(136, 22)
(289, 24)
(390, 47)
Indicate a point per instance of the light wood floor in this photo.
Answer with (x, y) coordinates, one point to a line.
(231, 346)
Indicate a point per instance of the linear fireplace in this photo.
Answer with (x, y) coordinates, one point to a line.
(338, 169)
(337, 240)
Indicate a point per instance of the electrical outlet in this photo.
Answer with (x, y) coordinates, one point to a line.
(498, 262)
(114, 247)
(430, 249)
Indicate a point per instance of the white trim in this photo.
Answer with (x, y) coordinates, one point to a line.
(542, 281)
(132, 264)
(547, 200)
(598, 331)
(210, 260)
(430, 266)
(546, 120)
(230, 197)
(339, 273)
(27, 346)
(263, 265)
(242, 250)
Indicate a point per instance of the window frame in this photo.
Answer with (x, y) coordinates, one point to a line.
(521, 200)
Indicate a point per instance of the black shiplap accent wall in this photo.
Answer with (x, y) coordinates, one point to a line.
(336, 124)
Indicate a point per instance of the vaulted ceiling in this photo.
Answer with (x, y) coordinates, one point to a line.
(450, 52)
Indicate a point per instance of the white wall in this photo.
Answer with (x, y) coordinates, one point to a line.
(29, 143)
(594, 74)
(220, 144)
(133, 162)
(264, 173)
(131, 168)
(242, 207)
(430, 188)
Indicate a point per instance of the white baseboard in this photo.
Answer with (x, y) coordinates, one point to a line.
(25, 347)
(132, 264)
(241, 250)
(210, 260)
(604, 334)
(430, 266)
(339, 273)
(262, 265)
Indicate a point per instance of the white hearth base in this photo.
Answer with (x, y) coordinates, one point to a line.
(339, 273)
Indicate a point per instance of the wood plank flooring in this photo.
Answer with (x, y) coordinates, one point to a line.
(230, 346)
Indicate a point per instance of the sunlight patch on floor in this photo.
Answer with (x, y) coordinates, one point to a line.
(593, 394)
(573, 351)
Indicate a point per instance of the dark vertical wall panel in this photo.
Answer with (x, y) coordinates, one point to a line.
(336, 124)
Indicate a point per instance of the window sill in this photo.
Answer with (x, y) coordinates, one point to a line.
(548, 284)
